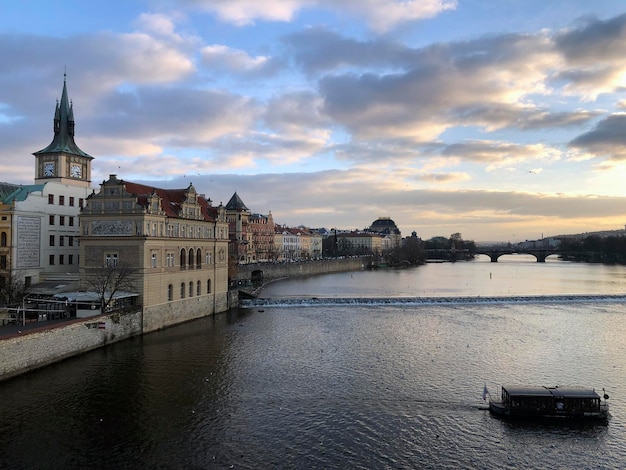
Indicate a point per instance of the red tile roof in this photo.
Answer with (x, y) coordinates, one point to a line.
(171, 199)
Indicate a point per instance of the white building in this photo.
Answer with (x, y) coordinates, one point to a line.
(39, 222)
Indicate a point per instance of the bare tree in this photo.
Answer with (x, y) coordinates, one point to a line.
(109, 280)
(12, 288)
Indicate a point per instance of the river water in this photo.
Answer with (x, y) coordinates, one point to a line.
(368, 370)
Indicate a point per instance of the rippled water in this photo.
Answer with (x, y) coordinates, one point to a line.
(328, 384)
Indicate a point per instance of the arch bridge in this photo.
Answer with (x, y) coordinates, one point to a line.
(494, 252)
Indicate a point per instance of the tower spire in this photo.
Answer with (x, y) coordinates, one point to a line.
(63, 140)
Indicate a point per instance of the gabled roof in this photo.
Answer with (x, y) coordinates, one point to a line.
(171, 199)
(236, 204)
(63, 140)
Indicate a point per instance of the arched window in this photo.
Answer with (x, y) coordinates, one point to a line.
(170, 292)
(182, 290)
(198, 288)
(3, 239)
(191, 263)
(190, 288)
(199, 258)
(208, 286)
(183, 258)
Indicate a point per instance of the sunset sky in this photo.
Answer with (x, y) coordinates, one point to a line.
(503, 120)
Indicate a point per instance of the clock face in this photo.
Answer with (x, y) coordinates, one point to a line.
(48, 169)
(76, 171)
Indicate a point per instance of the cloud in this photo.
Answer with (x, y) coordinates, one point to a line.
(176, 117)
(223, 59)
(593, 54)
(497, 154)
(443, 177)
(484, 82)
(381, 15)
(608, 138)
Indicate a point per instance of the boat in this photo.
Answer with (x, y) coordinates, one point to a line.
(550, 403)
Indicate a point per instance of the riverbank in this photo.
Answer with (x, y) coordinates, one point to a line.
(35, 345)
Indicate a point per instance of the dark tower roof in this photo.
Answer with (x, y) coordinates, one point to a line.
(236, 204)
(63, 141)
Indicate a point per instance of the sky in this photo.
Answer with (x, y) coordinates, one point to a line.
(502, 120)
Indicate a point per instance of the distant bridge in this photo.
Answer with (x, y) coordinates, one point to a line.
(494, 252)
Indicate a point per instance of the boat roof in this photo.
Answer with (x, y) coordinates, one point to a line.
(557, 392)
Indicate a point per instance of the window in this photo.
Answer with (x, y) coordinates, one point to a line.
(71, 220)
(208, 258)
(170, 292)
(183, 257)
(51, 220)
(154, 260)
(190, 288)
(61, 220)
(198, 258)
(198, 288)
(70, 241)
(51, 260)
(3, 239)
(191, 258)
(61, 200)
(208, 286)
(3, 262)
(61, 240)
(80, 202)
(51, 240)
(50, 198)
(111, 260)
(70, 258)
(72, 201)
(182, 290)
(61, 259)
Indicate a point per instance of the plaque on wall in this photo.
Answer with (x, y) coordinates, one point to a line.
(28, 236)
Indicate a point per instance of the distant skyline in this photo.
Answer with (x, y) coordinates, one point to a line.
(502, 120)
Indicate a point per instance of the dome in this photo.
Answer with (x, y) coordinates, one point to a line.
(384, 225)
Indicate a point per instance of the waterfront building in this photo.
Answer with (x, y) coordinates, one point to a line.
(39, 222)
(238, 215)
(360, 243)
(388, 230)
(251, 235)
(261, 248)
(174, 240)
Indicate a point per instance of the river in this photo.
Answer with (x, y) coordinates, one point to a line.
(368, 370)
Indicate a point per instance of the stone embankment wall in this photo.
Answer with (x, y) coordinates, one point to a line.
(169, 314)
(273, 271)
(33, 349)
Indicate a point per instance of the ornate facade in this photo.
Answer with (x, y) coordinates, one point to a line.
(174, 239)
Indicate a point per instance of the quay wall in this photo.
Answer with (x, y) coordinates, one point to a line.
(168, 314)
(37, 348)
(273, 271)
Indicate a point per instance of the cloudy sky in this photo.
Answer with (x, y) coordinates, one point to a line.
(500, 119)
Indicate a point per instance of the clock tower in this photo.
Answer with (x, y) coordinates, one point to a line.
(63, 160)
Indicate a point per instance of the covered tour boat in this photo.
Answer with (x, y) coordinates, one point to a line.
(560, 403)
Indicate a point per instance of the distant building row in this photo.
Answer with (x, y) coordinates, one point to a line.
(255, 238)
